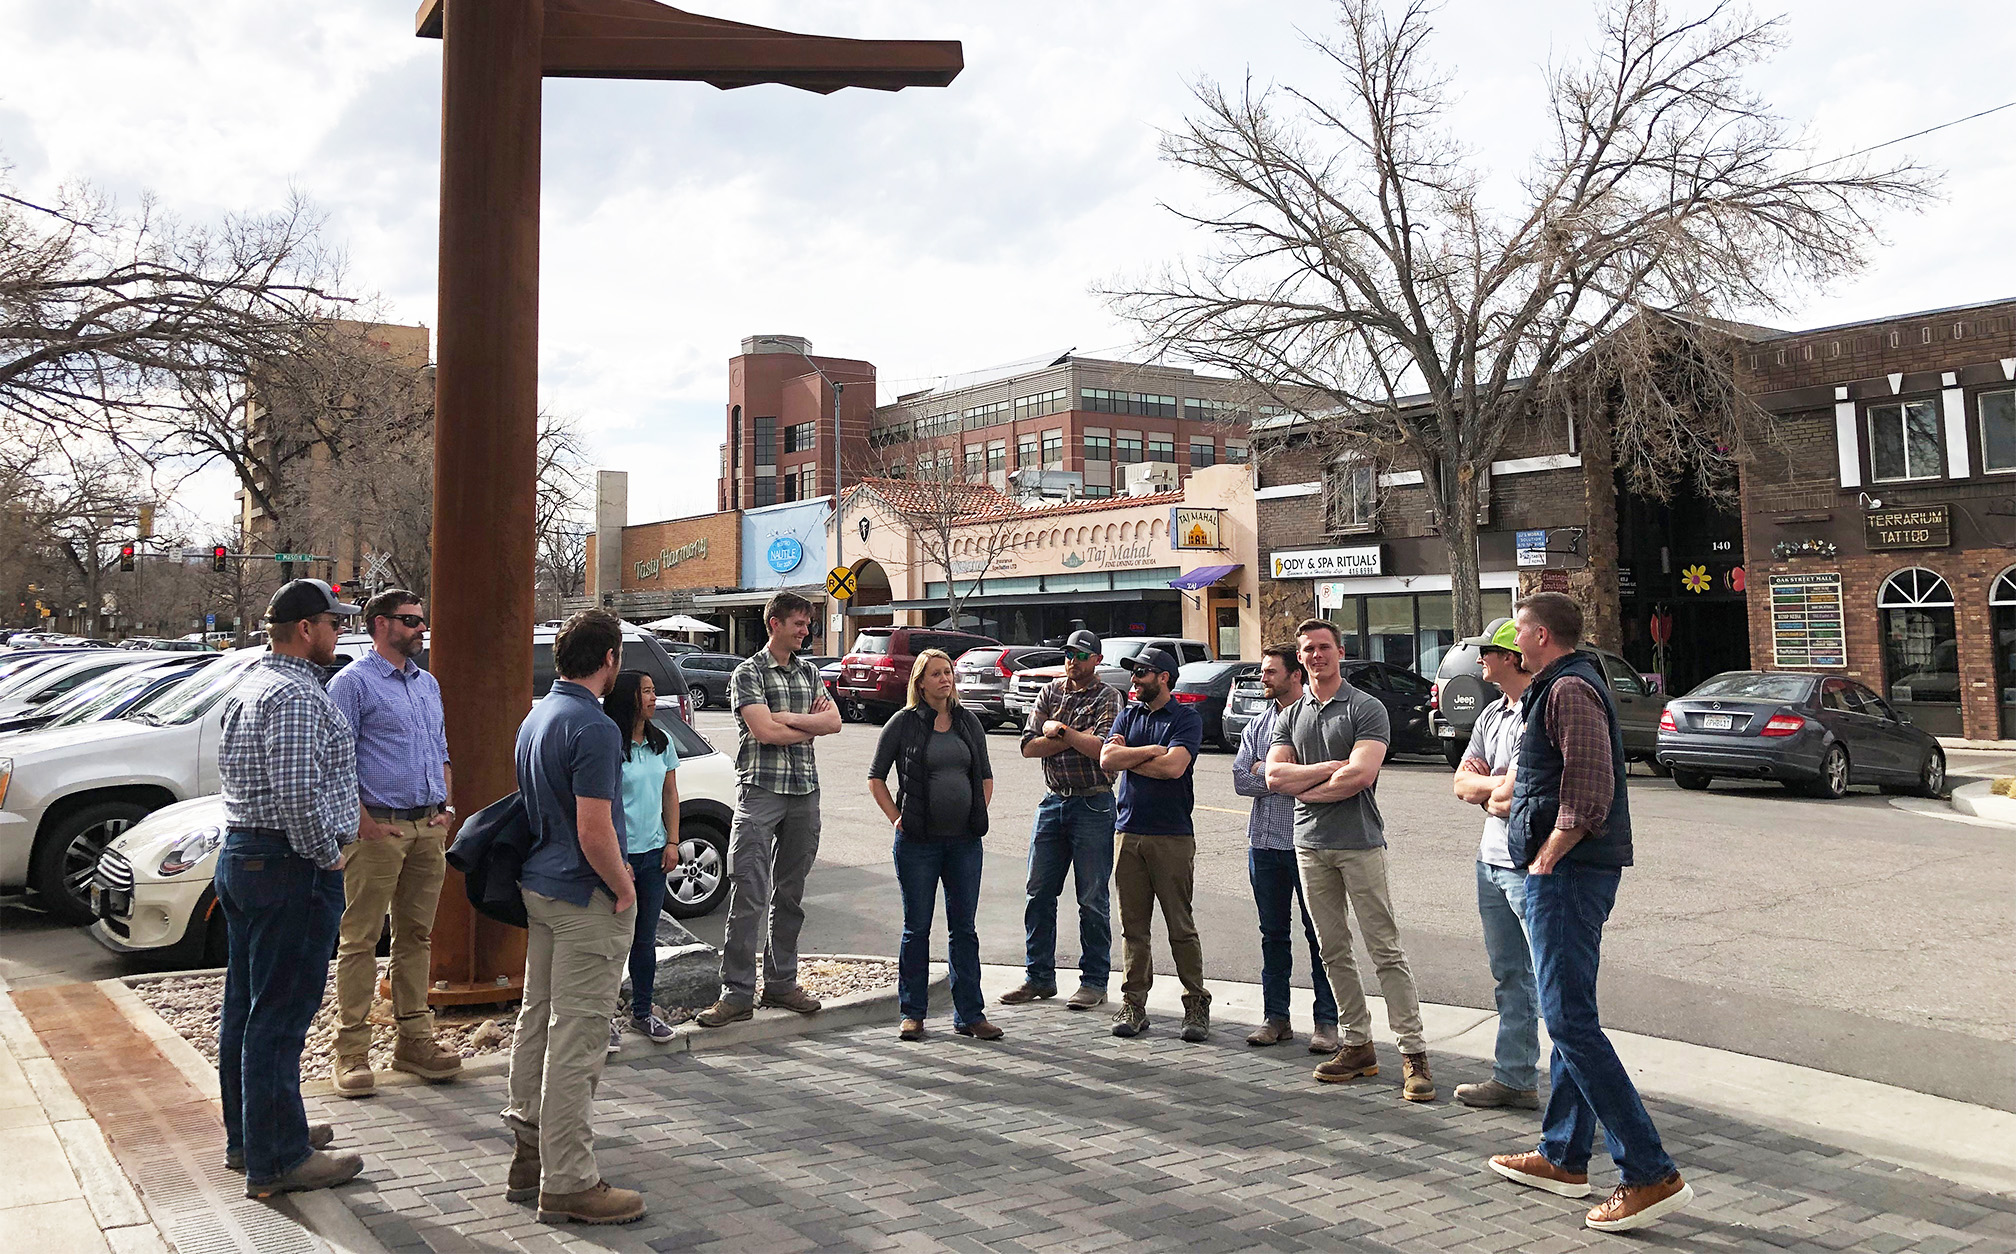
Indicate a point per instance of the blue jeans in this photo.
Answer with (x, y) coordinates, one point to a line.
(1277, 884)
(921, 865)
(280, 913)
(1072, 834)
(1565, 913)
(1501, 901)
(650, 874)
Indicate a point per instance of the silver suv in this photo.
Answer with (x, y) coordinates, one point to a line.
(1028, 685)
(1462, 692)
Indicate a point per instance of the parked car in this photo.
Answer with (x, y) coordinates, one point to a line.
(111, 695)
(152, 890)
(1208, 686)
(1114, 653)
(707, 677)
(876, 671)
(641, 651)
(1817, 733)
(1461, 692)
(1404, 694)
(983, 676)
(36, 686)
(156, 644)
(829, 671)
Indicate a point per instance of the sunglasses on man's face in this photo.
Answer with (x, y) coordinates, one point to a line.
(411, 620)
(1077, 655)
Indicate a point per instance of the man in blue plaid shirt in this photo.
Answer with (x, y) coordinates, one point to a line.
(288, 767)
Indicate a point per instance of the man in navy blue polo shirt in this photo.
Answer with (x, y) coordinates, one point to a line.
(1154, 749)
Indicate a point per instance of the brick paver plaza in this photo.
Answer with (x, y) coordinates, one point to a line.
(1062, 1137)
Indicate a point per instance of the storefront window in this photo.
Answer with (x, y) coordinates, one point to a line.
(2002, 613)
(1389, 630)
(1409, 630)
(1435, 631)
(1921, 653)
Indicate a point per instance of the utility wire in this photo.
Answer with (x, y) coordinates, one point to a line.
(1902, 138)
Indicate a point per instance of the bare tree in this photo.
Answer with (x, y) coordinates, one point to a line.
(71, 504)
(560, 516)
(1360, 259)
(963, 529)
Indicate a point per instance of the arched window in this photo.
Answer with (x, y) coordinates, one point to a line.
(2002, 621)
(2004, 590)
(1921, 652)
(1127, 531)
(1155, 529)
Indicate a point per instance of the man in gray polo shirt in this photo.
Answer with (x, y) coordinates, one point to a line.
(1327, 751)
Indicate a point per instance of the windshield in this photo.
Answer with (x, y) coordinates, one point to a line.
(19, 681)
(1204, 672)
(92, 700)
(875, 645)
(193, 698)
(1116, 651)
(1754, 686)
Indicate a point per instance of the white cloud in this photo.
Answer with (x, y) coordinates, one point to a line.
(929, 231)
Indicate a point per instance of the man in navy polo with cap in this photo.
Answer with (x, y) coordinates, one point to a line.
(1154, 747)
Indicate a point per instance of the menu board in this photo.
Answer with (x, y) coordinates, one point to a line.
(1806, 628)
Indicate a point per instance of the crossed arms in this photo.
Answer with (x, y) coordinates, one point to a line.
(774, 728)
(1319, 782)
(1153, 761)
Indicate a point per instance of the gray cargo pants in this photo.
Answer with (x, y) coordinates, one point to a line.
(770, 851)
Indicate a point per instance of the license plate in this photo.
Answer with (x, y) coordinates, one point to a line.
(1718, 722)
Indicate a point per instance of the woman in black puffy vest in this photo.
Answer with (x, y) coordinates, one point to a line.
(940, 813)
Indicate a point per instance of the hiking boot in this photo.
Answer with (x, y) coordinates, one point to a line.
(791, 998)
(1416, 1084)
(653, 1027)
(1540, 1172)
(1084, 999)
(1492, 1095)
(1324, 1039)
(1272, 1032)
(522, 1185)
(353, 1077)
(724, 1012)
(319, 1136)
(1349, 1063)
(1636, 1205)
(1027, 992)
(979, 1030)
(424, 1057)
(1130, 1020)
(1196, 1018)
(321, 1170)
(912, 1030)
(598, 1205)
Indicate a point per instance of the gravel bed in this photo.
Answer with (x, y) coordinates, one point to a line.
(191, 1004)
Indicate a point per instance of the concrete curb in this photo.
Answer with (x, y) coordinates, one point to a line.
(1977, 800)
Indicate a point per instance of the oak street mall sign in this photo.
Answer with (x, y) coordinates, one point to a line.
(1908, 527)
(668, 558)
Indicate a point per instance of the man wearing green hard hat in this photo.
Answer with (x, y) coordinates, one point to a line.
(1501, 883)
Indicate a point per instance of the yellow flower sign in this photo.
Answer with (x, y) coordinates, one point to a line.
(1695, 579)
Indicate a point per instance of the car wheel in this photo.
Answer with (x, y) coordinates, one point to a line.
(1833, 781)
(700, 882)
(699, 695)
(1932, 775)
(1692, 781)
(67, 856)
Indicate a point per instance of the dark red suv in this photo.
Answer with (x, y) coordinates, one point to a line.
(876, 671)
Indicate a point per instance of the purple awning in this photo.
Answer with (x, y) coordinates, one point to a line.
(1202, 577)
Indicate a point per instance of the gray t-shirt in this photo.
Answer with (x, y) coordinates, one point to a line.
(1325, 731)
(1494, 741)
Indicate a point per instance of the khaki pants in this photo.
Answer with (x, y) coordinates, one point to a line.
(401, 875)
(1335, 882)
(1148, 870)
(573, 968)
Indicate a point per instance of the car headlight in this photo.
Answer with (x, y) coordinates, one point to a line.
(6, 774)
(190, 850)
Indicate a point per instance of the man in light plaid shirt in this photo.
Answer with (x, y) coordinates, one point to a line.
(782, 706)
(288, 767)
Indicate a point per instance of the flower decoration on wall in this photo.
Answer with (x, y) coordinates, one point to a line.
(1787, 549)
(1695, 579)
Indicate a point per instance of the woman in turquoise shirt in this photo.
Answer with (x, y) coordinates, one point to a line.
(651, 835)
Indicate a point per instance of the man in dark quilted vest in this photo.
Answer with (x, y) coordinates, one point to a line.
(1571, 829)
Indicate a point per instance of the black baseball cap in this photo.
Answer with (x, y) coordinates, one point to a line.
(1083, 640)
(1152, 660)
(305, 598)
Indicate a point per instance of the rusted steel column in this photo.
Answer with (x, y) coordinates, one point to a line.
(485, 439)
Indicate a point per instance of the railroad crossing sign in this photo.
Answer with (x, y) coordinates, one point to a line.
(840, 583)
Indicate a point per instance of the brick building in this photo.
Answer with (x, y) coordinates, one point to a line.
(781, 407)
(1881, 522)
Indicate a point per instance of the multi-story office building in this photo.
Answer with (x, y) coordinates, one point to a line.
(1079, 415)
(781, 406)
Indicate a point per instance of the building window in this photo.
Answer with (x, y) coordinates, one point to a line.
(1161, 446)
(1053, 450)
(997, 455)
(1203, 452)
(975, 459)
(1098, 489)
(1921, 652)
(986, 415)
(766, 489)
(1025, 450)
(808, 481)
(1039, 406)
(894, 433)
(1197, 409)
(1998, 430)
(1351, 496)
(1146, 404)
(1098, 448)
(1235, 452)
(1904, 441)
(799, 437)
(937, 424)
(763, 446)
(1128, 450)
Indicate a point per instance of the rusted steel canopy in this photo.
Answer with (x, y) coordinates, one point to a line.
(643, 39)
(495, 55)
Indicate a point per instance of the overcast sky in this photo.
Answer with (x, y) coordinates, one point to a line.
(929, 231)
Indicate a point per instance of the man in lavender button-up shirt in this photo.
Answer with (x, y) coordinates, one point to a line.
(400, 858)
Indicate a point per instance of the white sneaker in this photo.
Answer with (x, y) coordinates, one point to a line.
(615, 1036)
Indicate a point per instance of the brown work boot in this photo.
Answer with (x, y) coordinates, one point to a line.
(1323, 1040)
(1084, 999)
(1027, 992)
(724, 1012)
(522, 1185)
(979, 1030)
(320, 1170)
(789, 998)
(1417, 1085)
(912, 1030)
(424, 1057)
(1349, 1063)
(598, 1205)
(1636, 1205)
(1272, 1032)
(1539, 1171)
(319, 1137)
(352, 1076)
(1490, 1095)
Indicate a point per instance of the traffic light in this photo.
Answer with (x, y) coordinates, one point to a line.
(336, 590)
(125, 557)
(217, 556)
